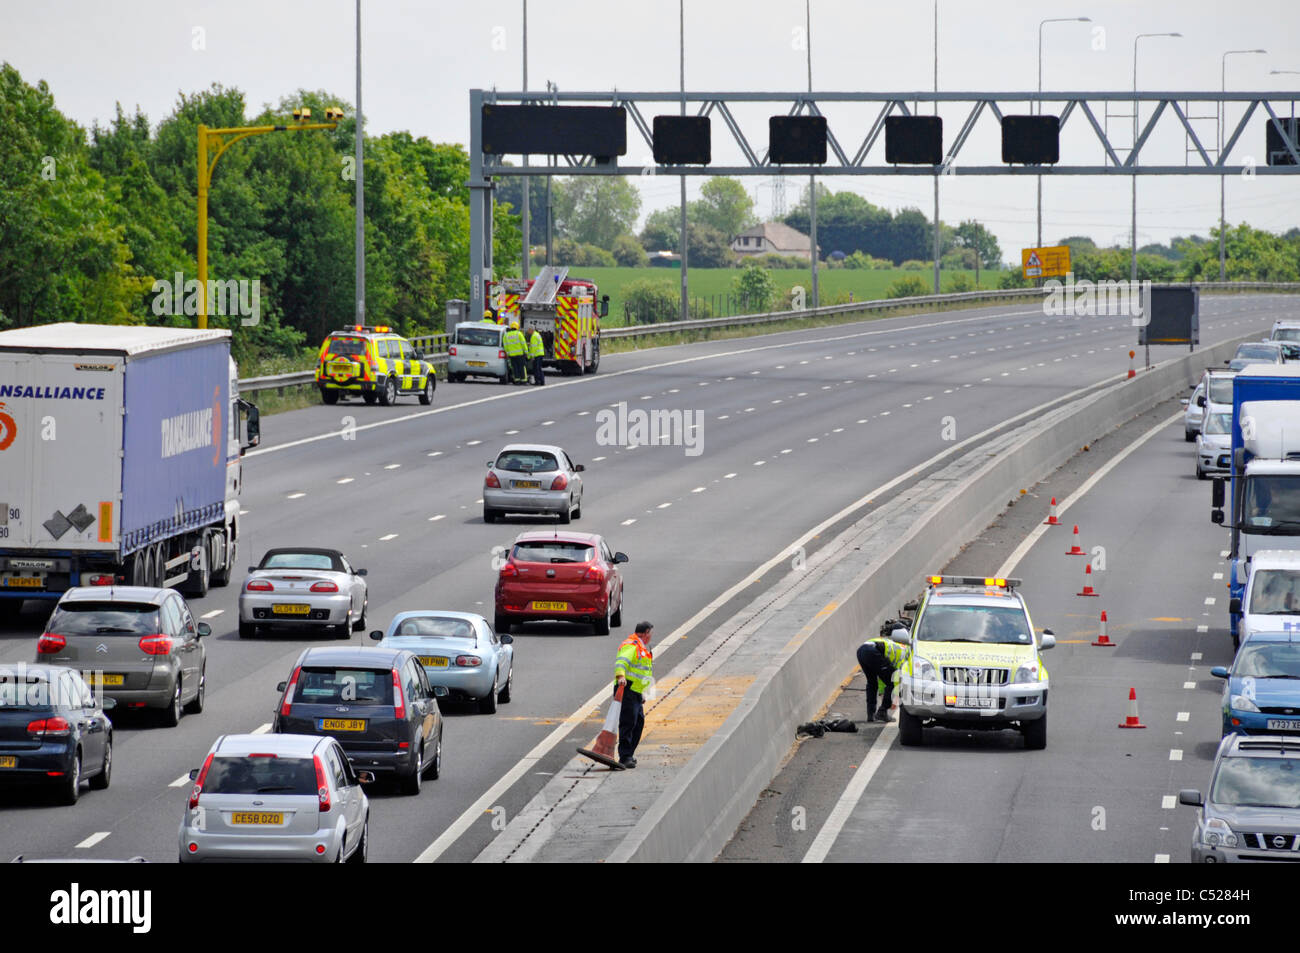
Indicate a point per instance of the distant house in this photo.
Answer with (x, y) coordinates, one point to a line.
(772, 238)
(665, 259)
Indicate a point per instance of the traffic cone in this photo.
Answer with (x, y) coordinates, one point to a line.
(1132, 720)
(1075, 550)
(1087, 583)
(1104, 639)
(1051, 518)
(605, 750)
(1131, 373)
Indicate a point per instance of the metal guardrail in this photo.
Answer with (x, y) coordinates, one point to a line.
(298, 378)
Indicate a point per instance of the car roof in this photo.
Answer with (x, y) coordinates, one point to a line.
(1276, 559)
(1272, 637)
(531, 448)
(300, 745)
(115, 594)
(559, 536)
(1260, 746)
(371, 333)
(972, 596)
(356, 657)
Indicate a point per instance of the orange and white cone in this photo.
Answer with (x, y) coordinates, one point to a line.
(605, 750)
(1104, 639)
(1051, 518)
(1087, 583)
(1076, 549)
(1132, 720)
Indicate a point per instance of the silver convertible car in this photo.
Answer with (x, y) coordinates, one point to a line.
(303, 588)
(459, 651)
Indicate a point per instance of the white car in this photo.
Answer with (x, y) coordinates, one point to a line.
(1214, 443)
(476, 351)
(1287, 333)
(1195, 410)
(1272, 599)
(303, 587)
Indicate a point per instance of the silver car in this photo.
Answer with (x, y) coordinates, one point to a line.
(1252, 811)
(1214, 444)
(302, 587)
(476, 351)
(1195, 410)
(140, 646)
(276, 797)
(533, 479)
(459, 651)
(1257, 352)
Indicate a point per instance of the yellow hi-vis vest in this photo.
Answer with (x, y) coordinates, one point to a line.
(535, 346)
(894, 653)
(513, 342)
(634, 662)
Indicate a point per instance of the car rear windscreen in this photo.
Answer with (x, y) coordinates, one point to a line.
(478, 337)
(527, 461)
(104, 618)
(347, 347)
(299, 561)
(553, 551)
(345, 686)
(437, 627)
(260, 775)
(1221, 390)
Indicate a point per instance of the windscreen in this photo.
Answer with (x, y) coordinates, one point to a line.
(1257, 350)
(1287, 334)
(345, 686)
(553, 551)
(1275, 592)
(437, 627)
(299, 561)
(347, 347)
(1221, 390)
(527, 461)
(1268, 660)
(104, 618)
(264, 775)
(478, 337)
(1219, 423)
(993, 624)
(1271, 505)
(1258, 782)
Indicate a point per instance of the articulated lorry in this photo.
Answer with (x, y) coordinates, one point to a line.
(120, 460)
(1264, 473)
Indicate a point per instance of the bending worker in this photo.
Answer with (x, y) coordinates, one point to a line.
(536, 351)
(879, 659)
(515, 346)
(632, 670)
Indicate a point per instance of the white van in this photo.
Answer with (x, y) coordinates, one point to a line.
(476, 350)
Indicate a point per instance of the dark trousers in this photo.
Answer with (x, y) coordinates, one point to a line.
(875, 666)
(631, 719)
(539, 375)
(517, 372)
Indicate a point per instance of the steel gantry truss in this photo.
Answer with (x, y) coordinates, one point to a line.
(866, 158)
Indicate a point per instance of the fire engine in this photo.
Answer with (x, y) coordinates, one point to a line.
(565, 311)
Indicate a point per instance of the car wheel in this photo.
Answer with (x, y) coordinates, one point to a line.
(565, 514)
(1035, 733)
(577, 513)
(345, 630)
(602, 625)
(434, 770)
(505, 378)
(388, 396)
(360, 624)
(369, 396)
(487, 705)
(247, 630)
(909, 728)
(1200, 474)
(504, 697)
(171, 716)
(616, 619)
(362, 852)
(100, 781)
(70, 787)
(502, 624)
(490, 516)
(329, 396)
(426, 396)
(411, 783)
(1189, 435)
(196, 705)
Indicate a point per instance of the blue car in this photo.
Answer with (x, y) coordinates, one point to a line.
(459, 651)
(1262, 694)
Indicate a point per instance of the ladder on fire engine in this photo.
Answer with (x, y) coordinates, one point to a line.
(547, 285)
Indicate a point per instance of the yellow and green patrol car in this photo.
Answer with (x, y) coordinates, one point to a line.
(974, 662)
(374, 363)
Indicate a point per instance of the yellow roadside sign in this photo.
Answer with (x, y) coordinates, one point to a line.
(1051, 262)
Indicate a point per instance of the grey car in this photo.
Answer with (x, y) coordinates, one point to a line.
(277, 798)
(1257, 352)
(1214, 444)
(535, 479)
(304, 587)
(458, 651)
(139, 646)
(1252, 811)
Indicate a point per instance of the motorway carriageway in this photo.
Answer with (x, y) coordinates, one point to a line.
(795, 426)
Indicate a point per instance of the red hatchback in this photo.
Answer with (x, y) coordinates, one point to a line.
(569, 577)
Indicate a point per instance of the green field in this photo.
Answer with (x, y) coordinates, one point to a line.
(713, 284)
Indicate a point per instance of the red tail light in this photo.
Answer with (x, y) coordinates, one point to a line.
(259, 585)
(509, 569)
(468, 661)
(594, 574)
(287, 704)
(399, 702)
(324, 587)
(451, 351)
(156, 644)
(561, 482)
(322, 785)
(492, 481)
(501, 355)
(198, 782)
(57, 727)
(50, 643)
(100, 581)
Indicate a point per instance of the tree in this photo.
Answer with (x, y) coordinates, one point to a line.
(725, 205)
(971, 234)
(755, 288)
(662, 230)
(629, 253)
(708, 247)
(596, 209)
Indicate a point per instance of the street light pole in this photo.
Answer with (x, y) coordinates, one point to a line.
(936, 171)
(812, 179)
(361, 191)
(524, 269)
(681, 38)
(1133, 232)
(1040, 104)
(1223, 88)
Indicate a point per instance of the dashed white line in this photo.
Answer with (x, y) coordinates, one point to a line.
(1196, 656)
(1209, 600)
(1168, 802)
(1175, 754)
(434, 519)
(384, 539)
(1184, 716)
(436, 453)
(95, 838)
(699, 489)
(472, 443)
(1202, 628)
(261, 729)
(597, 459)
(1189, 684)
(629, 522)
(296, 496)
(344, 480)
(663, 506)
(1217, 575)
(213, 614)
(759, 463)
(728, 476)
(180, 782)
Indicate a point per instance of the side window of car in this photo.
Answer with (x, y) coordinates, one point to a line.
(424, 681)
(187, 617)
(349, 775)
(336, 769)
(85, 695)
(412, 681)
(408, 352)
(605, 553)
(171, 619)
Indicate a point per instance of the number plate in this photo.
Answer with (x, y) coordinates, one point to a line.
(340, 367)
(433, 661)
(7, 762)
(291, 610)
(525, 484)
(1284, 724)
(342, 724)
(94, 678)
(476, 363)
(550, 606)
(23, 582)
(970, 701)
(257, 817)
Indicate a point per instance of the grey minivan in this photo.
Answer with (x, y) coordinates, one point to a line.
(139, 646)
(476, 350)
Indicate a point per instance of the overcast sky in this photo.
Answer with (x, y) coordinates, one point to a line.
(420, 58)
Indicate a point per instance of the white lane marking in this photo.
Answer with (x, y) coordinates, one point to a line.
(296, 496)
(863, 420)
(843, 809)
(95, 838)
(1202, 628)
(436, 453)
(180, 782)
(344, 480)
(663, 506)
(1027, 544)
(547, 423)
(1184, 716)
(699, 489)
(812, 439)
(629, 522)
(1196, 656)
(434, 519)
(472, 443)
(1209, 600)
(884, 413)
(1175, 754)
(728, 476)
(261, 729)
(213, 614)
(384, 539)
(392, 466)
(1223, 553)
(1168, 802)
(759, 463)
(1189, 684)
(1217, 575)
(511, 433)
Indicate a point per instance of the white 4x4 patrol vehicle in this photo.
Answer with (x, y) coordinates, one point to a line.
(973, 661)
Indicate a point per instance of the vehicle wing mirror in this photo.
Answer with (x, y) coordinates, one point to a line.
(281, 687)
(1190, 797)
(911, 606)
(108, 704)
(604, 306)
(376, 635)
(194, 774)
(1234, 606)
(1046, 641)
(1216, 516)
(507, 639)
(1200, 401)
(620, 557)
(204, 630)
(579, 468)
(1220, 672)
(360, 572)
(901, 635)
(366, 777)
(440, 691)
(1217, 493)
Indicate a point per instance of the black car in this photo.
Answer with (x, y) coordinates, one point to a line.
(378, 704)
(53, 731)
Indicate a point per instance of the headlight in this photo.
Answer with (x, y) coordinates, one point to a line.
(921, 668)
(1242, 703)
(1027, 673)
(1218, 832)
